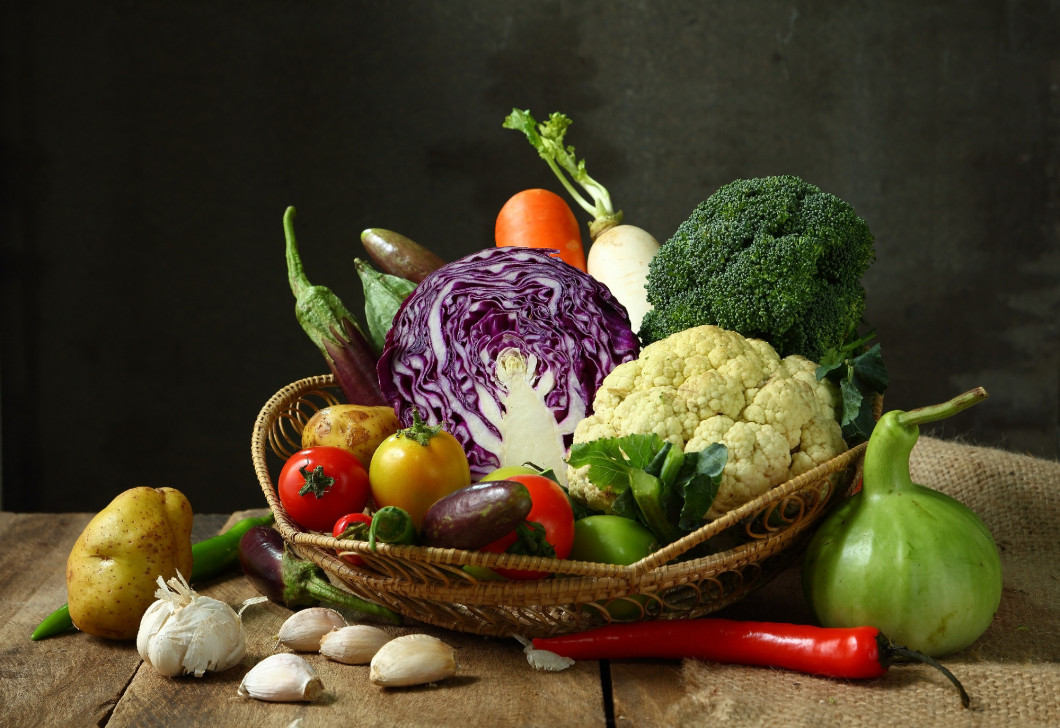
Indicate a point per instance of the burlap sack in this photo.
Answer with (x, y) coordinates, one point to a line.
(1012, 672)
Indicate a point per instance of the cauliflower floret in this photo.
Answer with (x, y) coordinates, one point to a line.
(758, 460)
(825, 390)
(662, 410)
(583, 490)
(706, 385)
(822, 440)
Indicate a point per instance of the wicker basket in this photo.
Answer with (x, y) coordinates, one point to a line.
(431, 585)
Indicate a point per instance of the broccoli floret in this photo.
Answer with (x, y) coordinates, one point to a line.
(773, 258)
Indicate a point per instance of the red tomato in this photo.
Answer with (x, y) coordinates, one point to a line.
(552, 510)
(320, 484)
(352, 519)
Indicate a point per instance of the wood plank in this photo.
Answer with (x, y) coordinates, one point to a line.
(74, 679)
(494, 686)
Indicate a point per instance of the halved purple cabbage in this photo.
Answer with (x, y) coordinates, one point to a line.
(505, 326)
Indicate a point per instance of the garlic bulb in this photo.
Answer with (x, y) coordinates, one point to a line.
(303, 630)
(282, 678)
(185, 633)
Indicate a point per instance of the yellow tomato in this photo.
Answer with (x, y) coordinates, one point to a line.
(415, 467)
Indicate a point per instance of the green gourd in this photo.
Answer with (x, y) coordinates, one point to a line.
(915, 563)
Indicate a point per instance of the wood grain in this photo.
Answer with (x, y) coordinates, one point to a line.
(79, 680)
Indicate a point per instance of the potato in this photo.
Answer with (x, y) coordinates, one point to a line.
(353, 427)
(114, 565)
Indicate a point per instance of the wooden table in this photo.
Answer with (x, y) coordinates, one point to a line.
(79, 680)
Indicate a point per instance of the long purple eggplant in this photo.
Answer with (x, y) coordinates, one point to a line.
(292, 582)
(398, 255)
(333, 329)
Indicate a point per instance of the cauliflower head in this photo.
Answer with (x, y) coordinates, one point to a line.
(705, 385)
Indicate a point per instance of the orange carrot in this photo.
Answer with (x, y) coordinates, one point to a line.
(538, 218)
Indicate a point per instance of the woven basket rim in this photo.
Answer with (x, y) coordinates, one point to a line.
(573, 577)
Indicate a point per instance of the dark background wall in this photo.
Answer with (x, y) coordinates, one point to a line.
(150, 149)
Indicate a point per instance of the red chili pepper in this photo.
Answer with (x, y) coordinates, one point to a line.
(355, 526)
(854, 653)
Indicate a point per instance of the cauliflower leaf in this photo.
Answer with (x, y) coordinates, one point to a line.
(653, 482)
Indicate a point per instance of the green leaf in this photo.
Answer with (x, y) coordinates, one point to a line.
(612, 460)
(852, 401)
(383, 295)
(547, 139)
(624, 505)
(700, 478)
(833, 371)
(861, 426)
(859, 378)
(870, 371)
(656, 483)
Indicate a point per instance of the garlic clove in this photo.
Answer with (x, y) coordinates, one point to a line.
(413, 659)
(302, 630)
(282, 678)
(353, 645)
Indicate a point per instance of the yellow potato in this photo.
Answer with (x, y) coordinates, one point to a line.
(113, 566)
(353, 427)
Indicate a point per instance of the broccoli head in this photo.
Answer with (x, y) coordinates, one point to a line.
(772, 258)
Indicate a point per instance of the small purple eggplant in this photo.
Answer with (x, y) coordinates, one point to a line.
(292, 582)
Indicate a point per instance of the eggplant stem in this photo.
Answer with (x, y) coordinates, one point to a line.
(302, 577)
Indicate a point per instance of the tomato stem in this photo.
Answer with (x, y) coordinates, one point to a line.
(419, 431)
(316, 481)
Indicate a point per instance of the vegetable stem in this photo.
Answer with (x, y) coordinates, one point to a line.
(419, 431)
(935, 412)
(303, 582)
(889, 651)
(547, 139)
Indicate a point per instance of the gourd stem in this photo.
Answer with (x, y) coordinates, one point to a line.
(935, 412)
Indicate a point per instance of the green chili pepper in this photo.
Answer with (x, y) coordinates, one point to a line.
(209, 558)
(393, 525)
(55, 623)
